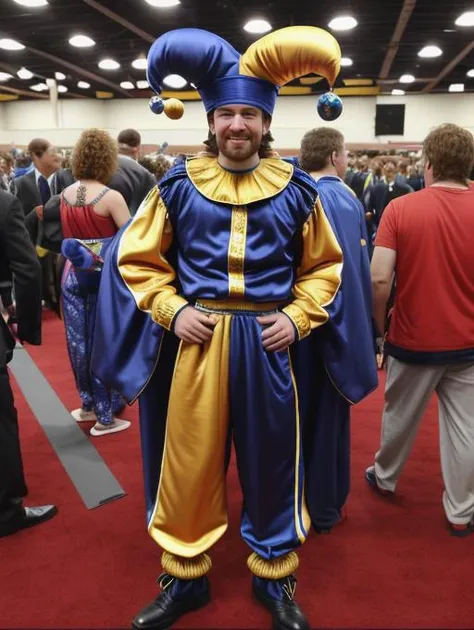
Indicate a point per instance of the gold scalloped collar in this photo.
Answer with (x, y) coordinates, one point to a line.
(270, 177)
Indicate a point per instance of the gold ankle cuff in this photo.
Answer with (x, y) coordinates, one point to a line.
(186, 568)
(273, 569)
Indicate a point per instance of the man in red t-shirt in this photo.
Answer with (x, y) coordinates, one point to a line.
(427, 240)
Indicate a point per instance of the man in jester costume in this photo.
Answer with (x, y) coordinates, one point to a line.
(227, 263)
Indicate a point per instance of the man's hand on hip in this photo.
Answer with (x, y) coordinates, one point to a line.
(279, 332)
(194, 326)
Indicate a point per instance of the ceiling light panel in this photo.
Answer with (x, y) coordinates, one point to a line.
(466, 19)
(81, 41)
(31, 3)
(430, 52)
(343, 23)
(163, 4)
(109, 64)
(257, 27)
(140, 63)
(10, 44)
(39, 87)
(25, 74)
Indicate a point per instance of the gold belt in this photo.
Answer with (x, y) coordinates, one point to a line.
(232, 306)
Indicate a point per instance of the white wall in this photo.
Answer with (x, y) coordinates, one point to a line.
(423, 112)
(22, 120)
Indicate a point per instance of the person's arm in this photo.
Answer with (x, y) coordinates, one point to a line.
(151, 279)
(319, 275)
(381, 271)
(23, 262)
(383, 263)
(143, 264)
(118, 209)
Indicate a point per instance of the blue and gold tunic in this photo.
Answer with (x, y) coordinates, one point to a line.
(240, 244)
(260, 237)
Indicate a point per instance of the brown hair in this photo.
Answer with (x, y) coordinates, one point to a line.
(130, 137)
(265, 150)
(38, 146)
(317, 147)
(95, 156)
(162, 166)
(450, 151)
(8, 159)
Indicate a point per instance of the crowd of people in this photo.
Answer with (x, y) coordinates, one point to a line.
(246, 285)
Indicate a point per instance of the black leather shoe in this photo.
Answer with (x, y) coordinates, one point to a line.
(172, 603)
(286, 614)
(27, 517)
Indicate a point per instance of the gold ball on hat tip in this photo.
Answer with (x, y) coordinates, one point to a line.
(174, 108)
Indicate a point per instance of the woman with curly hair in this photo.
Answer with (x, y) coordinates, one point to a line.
(90, 211)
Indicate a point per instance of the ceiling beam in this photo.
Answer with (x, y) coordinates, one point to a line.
(120, 20)
(5, 88)
(6, 67)
(405, 15)
(448, 67)
(85, 73)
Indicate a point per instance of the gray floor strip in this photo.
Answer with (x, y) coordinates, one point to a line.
(85, 467)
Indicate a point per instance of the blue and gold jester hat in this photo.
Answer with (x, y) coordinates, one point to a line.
(223, 77)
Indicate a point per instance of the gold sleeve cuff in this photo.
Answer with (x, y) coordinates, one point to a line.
(164, 311)
(299, 318)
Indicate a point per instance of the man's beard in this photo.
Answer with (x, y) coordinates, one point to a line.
(239, 152)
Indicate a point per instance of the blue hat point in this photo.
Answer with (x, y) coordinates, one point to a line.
(329, 106)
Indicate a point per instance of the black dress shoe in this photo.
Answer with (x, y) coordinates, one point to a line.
(177, 598)
(27, 517)
(286, 614)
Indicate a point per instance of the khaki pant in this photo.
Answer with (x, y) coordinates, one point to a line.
(408, 390)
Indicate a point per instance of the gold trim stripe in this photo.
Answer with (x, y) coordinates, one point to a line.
(304, 514)
(236, 255)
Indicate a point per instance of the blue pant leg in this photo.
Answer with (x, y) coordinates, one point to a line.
(153, 408)
(74, 311)
(101, 396)
(267, 439)
(327, 452)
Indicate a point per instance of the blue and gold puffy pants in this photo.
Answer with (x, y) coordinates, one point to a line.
(231, 385)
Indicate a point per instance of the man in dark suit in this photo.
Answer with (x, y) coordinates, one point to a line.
(35, 189)
(131, 179)
(362, 178)
(47, 178)
(18, 255)
(382, 193)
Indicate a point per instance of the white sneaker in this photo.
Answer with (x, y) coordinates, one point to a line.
(118, 425)
(80, 415)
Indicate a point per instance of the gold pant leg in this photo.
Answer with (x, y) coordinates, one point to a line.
(190, 512)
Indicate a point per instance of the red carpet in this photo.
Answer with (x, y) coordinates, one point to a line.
(390, 565)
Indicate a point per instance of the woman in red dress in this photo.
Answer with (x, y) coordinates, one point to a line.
(90, 212)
